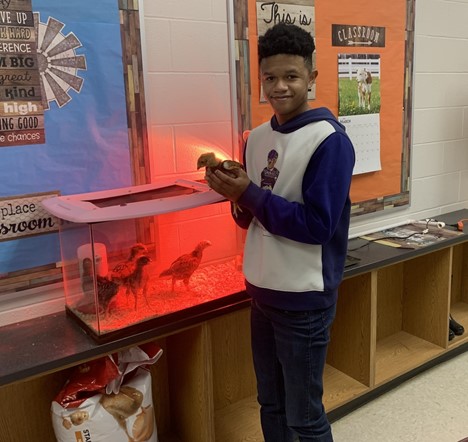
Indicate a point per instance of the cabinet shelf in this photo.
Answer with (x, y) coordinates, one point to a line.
(459, 312)
(339, 388)
(400, 353)
(239, 422)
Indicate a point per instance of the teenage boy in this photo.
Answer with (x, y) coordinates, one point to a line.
(297, 237)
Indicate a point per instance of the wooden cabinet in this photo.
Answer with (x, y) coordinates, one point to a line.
(391, 322)
(459, 288)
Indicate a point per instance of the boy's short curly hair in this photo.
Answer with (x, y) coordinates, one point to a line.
(286, 38)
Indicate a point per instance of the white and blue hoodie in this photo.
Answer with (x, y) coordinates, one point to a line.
(298, 222)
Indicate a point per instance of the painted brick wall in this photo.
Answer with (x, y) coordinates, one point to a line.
(439, 163)
(189, 110)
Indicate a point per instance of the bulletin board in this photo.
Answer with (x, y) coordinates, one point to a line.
(377, 35)
(72, 120)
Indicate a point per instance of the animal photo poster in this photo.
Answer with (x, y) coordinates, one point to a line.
(373, 37)
(64, 122)
(359, 106)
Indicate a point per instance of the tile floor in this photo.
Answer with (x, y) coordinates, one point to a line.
(431, 407)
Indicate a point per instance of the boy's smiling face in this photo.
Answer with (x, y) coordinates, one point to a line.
(286, 81)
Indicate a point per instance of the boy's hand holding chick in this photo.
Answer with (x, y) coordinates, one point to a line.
(228, 178)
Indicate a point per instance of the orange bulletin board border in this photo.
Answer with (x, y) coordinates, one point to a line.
(374, 191)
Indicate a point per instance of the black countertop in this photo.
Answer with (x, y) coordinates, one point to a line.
(49, 343)
(52, 342)
(374, 255)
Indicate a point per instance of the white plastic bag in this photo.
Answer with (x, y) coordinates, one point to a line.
(84, 412)
(123, 417)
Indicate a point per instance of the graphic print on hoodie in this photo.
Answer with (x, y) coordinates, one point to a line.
(270, 173)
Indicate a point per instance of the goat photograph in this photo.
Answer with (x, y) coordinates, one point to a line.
(359, 84)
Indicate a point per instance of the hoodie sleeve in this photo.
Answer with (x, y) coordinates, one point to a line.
(325, 190)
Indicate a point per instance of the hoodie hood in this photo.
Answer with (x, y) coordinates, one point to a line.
(310, 116)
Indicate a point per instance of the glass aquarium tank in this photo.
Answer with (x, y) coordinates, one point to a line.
(146, 253)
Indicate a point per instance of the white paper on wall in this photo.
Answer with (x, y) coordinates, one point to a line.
(364, 132)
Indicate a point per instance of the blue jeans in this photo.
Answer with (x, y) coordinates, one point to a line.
(289, 352)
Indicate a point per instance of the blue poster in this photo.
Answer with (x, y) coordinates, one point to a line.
(84, 145)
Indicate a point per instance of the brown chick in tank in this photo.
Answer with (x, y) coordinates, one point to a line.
(137, 282)
(123, 270)
(106, 289)
(184, 266)
(209, 160)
